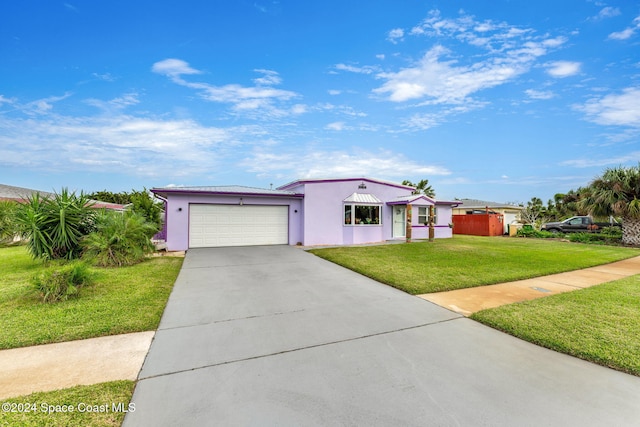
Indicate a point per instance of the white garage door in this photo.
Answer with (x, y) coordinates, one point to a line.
(235, 225)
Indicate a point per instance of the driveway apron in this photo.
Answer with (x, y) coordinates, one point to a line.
(273, 335)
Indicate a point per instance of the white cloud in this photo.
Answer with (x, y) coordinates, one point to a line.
(628, 32)
(395, 35)
(43, 105)
(367, 69)
(4, 100)
(243, 99)
(317, 164)
(442, 77)
(607, 161)
(614, 109)
(173, 68)
(270, 78)
(334, 92)
(106, 77)
(115, 104)
(561, 69)
(337, 126)
(380, 56)
(537, 94)
(134, 145)
(443, 81)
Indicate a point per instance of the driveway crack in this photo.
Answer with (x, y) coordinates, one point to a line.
(261, 356)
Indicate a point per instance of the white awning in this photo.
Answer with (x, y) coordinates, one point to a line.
(363, 198)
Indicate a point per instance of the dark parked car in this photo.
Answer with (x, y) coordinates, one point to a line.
(578, 224)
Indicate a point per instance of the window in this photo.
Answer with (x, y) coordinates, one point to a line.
(361, 215)
(423, 215)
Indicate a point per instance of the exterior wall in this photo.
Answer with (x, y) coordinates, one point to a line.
(324, 212)
(441, 228)
(177, 214)
(479, 225)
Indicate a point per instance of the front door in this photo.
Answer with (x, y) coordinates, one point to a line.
(399, 221)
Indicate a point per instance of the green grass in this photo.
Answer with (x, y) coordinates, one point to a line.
(468, 261)
(33, 410)
(120, 300)
(600, 324)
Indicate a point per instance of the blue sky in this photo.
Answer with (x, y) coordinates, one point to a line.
(497, 100)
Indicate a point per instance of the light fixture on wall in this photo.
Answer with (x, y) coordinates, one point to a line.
(179, 209)
(362, 186)
(241, 201)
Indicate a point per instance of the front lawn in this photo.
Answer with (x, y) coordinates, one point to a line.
(99, 405)
(600, 324)
(120, 300)
(468, 261)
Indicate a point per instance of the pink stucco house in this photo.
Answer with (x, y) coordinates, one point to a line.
(309, 212)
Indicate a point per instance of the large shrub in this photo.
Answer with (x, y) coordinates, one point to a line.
(59, 283)
(54, 226)
(120, 238)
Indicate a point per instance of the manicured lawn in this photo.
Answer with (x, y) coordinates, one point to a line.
(93, 406)
(468, 261)
(120, 300)
(600, 324)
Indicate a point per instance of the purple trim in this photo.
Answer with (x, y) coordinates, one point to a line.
(162, 191)
(412, 199)
(426, 226)
(318, 181)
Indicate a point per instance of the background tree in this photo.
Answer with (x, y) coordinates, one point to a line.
(141, 202)
(422, 187)
(147, 206)
(107, 196)
(8, 225)
(532, 213)
(616, 193)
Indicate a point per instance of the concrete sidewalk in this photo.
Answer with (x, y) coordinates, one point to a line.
(49, 367)
(468, 301)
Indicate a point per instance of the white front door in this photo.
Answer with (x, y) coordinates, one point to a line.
(399, 221)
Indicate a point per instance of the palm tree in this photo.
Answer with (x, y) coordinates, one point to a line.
(617, 192)
(422, 187)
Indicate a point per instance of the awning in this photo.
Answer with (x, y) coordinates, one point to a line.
(363, 198)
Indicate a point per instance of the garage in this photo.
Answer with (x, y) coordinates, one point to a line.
(215, 225)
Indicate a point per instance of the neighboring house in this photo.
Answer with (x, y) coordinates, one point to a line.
(305, 212)
(511, 213)
(20, 194)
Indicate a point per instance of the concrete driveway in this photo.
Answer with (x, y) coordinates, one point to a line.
(276, 336)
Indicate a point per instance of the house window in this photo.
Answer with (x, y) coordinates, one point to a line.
(423, 215)
(361, 215)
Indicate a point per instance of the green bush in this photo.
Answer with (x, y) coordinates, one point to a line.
(59, 283)
(539, 234)
(54, 226)
(8, 224)
(596, 238)
(120, 238)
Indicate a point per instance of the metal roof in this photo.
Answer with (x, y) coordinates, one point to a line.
(363, 198)
(19, 193)
(481, 204)
(226, 189)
